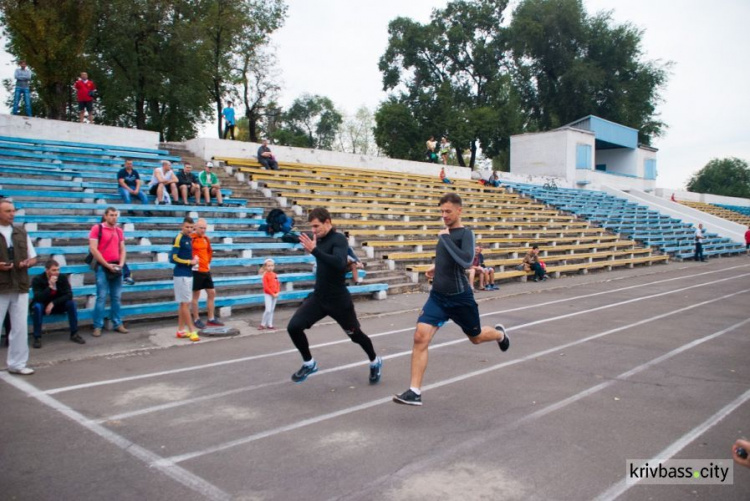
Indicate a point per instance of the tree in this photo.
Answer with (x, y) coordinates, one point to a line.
(455, 79)
(150, 66)
(233, 32)
(397, 132)
(356, 133)
(311, 122)
(568, 65)
(259, 90)
(51, 35)
(727, 176)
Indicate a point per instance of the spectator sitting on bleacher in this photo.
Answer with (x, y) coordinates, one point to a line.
(494, 180)
(164, 178)
(130, 184)
(188, 184)
(443, 177)
(210, 185)
(354, 264)
(266, 158)
(531, 263)
(486, 275)
(53, 294)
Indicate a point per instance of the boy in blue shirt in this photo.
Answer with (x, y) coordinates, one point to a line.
(182, 257)
(229, 117)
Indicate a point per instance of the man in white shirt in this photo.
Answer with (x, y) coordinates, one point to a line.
(17, 255)
(164, 178)
(699, 243)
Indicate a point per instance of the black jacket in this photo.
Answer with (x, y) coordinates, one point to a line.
(43, 294)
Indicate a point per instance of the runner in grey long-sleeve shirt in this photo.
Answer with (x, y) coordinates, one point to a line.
(451, 297)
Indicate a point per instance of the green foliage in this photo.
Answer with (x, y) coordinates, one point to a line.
(454, 77)
(51, 35)
(727, 176)
(311, 122)
(159, 64)
(467, 75)
(397, 132)
(568, 65)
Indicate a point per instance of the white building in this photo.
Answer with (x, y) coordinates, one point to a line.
(590, 152)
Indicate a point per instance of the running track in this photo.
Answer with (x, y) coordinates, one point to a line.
(649, 366)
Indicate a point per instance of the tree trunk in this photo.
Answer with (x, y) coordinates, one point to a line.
(460, 157)
(473, 159)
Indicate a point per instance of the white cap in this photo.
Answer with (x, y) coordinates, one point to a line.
(209, 164)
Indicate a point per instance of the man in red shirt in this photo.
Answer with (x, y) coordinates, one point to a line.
(747, 240)
(84, 87)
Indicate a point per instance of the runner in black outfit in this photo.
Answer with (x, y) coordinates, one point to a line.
(451, 297)
(330, 296)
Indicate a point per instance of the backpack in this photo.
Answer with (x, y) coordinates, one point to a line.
(278, 222)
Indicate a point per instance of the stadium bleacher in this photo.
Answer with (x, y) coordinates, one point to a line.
(60, 189)
(653, 229)
(394, 216)
(734, 213)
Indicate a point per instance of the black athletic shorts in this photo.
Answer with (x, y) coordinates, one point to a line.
(314, 309)
(202, 280)
(152, 190)
(461, 308)
(86, 106)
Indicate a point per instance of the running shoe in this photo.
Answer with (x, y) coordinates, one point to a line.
(199, 324)
(505, 342)
(128, 281)
(304, 371)
(193, 336)
(215, 323)
(408, 398)
(375, 370)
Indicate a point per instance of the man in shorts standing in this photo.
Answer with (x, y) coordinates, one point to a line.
(182, 257)
(451, 297)
(330, 296)
(202, 276)
(84, 90)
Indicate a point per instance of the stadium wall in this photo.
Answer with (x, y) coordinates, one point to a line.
(58, 130)
(702, 197)
(211, 148)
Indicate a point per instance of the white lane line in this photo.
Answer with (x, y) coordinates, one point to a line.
(385, 333)
(444, 454)
(175, 404)
(622, 486)
(169, 468)
(324, 417)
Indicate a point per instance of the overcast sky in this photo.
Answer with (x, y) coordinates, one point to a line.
(332, 48)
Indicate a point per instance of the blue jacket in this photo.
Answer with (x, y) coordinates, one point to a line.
(182, 256)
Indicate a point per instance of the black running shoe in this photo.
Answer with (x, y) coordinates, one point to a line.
(408, 398)
(304, 371)
(375, 370)
(505, 342)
